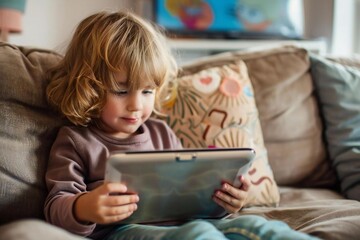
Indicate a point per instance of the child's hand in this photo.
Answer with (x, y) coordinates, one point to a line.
(232, 199)
(99, 206)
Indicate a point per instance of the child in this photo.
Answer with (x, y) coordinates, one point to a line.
(107, 85)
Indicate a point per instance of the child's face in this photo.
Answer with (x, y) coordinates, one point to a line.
(125, 111)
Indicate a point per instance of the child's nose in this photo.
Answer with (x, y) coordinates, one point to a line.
(135, 102)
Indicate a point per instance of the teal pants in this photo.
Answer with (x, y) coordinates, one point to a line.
(240, 228)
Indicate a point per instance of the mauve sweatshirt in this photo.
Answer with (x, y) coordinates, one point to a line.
(77, 165)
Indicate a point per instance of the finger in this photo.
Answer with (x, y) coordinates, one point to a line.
(219, 202)
(115, 218)
(245, 183)
(228, 208)
(120, 210)
(234, 192)
(228, 199)
(108, 188)
(118, 200)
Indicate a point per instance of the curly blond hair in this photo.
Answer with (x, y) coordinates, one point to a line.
(104, 44)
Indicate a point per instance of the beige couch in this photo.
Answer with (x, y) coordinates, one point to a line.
(309, 132)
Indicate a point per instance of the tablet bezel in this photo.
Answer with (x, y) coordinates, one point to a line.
(128, 167)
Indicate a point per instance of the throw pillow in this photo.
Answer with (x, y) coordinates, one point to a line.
(216, 107)
(338, 89)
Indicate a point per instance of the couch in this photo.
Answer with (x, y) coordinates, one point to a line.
(306, 113)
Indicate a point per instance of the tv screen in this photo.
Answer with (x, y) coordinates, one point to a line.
(231, 18)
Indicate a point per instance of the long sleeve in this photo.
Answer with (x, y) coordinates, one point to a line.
(65, 182)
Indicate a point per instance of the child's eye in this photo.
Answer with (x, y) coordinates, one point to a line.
(148, 91)
(119, 92)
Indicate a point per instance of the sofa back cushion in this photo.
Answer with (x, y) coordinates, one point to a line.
(27, 130)
(288, 112)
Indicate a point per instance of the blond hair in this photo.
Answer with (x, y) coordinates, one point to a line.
(103, 44)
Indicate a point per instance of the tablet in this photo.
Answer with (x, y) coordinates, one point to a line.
(177, 185)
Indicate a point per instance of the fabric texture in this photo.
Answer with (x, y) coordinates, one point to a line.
(338, 90)
(215, 107)
(288, 112)
(27, 130)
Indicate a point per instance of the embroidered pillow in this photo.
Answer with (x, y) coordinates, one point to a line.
(216, 107)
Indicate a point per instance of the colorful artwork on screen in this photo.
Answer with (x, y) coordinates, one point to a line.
(270, 16)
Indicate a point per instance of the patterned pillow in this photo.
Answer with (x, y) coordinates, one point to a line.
(216, 107)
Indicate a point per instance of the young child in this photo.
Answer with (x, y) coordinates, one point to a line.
(107, 86)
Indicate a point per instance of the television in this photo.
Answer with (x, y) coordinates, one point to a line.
(251, 19)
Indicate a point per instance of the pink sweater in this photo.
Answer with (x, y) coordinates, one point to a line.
(77, 164)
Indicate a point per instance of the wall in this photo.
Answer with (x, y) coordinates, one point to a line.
(318, 20)
(345, 28)
(357, 27)
(50, 23)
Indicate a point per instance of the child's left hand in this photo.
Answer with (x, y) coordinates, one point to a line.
(232, 199)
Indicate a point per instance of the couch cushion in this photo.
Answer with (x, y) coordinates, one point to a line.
(288, 112)
(338, 88)
(27, 129)
(216, 107)
(318, 212)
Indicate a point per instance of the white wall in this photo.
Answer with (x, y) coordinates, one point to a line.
(345, 27)
(50, 23)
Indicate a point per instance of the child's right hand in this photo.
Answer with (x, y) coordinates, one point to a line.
(100, 206)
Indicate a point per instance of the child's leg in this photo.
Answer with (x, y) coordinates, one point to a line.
(195, 230)
(138, 232)
(240, 228)
(256, 227)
